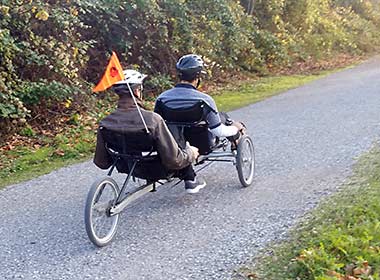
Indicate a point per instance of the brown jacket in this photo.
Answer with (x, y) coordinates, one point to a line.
(126, 117)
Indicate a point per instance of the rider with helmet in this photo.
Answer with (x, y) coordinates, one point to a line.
(190, 69)
(130, 116)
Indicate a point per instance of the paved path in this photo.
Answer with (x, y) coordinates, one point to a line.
(306, 142)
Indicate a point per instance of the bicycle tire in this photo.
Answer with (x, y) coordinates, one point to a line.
(245, 161)
(94, 204)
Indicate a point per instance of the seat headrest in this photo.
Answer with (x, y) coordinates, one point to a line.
(181, 110)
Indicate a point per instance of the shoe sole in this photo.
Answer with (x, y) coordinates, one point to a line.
(197, 189)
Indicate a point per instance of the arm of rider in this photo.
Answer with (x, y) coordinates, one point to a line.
(195, 150)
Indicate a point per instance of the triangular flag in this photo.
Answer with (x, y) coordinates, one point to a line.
(113, 74)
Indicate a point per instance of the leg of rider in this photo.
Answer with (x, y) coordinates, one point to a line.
(192, 185)
(188, 173)
(225, 118)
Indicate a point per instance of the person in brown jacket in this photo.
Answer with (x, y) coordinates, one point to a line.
(129, 117)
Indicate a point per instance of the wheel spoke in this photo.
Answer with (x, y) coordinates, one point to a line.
(100, 226)
(101, 207)
(245, 161)
(101, 220)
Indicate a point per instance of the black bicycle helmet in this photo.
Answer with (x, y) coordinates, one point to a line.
(190, 67)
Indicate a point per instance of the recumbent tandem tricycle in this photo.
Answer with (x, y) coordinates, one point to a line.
(135, 155)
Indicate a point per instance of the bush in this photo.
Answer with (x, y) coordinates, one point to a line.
(33, 92)
(52, 50)
(157, 84)
(40, 43)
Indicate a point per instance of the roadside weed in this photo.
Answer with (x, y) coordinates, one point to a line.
(339, 240)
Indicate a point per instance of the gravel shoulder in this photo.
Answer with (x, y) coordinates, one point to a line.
(306, 140)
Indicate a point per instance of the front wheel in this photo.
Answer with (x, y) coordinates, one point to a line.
(100, 225)
(245, 161)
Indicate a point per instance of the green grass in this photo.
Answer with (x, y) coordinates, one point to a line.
(21, 163)
(254, 91)
(338, 238)
(78, 144)
(27, 167)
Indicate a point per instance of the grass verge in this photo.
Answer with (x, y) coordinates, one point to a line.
(249, 92)
(77, 143)
(23, 163)
(339, 240)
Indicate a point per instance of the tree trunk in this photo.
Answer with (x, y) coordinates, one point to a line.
(248, 6)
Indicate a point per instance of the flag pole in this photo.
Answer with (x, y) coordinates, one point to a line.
(116, 74)
(138, 108)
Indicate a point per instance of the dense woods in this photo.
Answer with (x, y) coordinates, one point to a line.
(53, 51)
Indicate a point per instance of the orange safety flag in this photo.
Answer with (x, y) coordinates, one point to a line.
(113, 74)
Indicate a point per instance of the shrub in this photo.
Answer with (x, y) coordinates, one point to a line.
(52, 50)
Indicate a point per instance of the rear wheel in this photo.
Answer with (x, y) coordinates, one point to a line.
(100, 226)
(245, 160)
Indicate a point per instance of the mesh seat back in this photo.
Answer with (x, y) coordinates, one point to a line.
(128, 142)
(128, 147)
(186, 120)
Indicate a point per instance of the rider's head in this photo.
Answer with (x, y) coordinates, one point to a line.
(189, 68)
(134, 79)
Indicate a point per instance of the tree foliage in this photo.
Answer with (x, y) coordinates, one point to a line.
(51, 51)
(40, 46)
